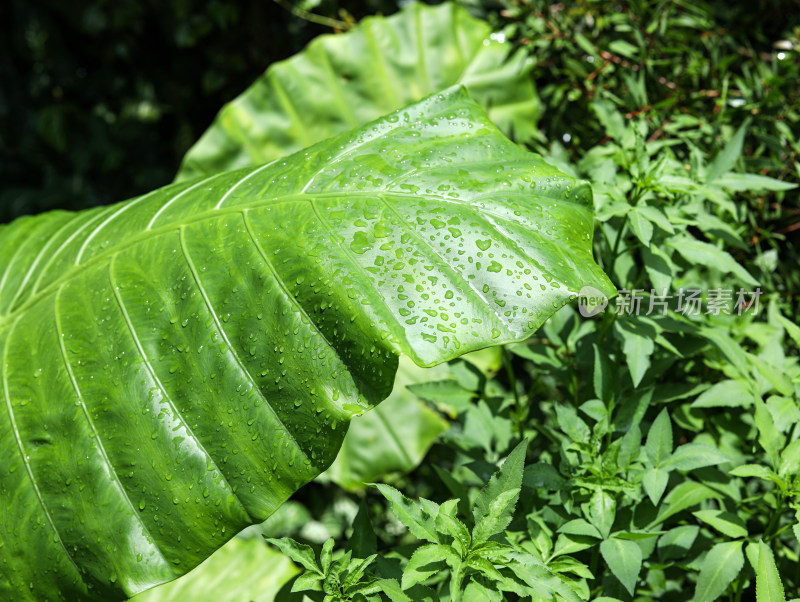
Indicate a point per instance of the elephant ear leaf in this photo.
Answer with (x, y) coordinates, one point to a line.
(323, 90)
(174, 367)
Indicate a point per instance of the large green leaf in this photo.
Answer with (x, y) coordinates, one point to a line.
(174, 367)
(343, 81)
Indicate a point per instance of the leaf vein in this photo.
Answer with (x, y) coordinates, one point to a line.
(223, 334)
(300, 197)
(38, 258)
(111, 470)
(151, 370)
(291, 298)
(24, 456)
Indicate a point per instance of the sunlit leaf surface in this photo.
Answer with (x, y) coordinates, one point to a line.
(174, 367)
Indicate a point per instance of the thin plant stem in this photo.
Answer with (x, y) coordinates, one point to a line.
(512, 381)
(312, 17)
(615, 250)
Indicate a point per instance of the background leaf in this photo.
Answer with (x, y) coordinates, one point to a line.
(323, 91)
(719, 568)
(725, 522)
(659, 439)
(727, 157)
(494, 506)
(392, 438)
(637, 345)
(242, 569)
(624, 559)
(768, 582)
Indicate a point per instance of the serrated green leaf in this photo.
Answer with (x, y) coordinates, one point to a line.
(677, 542)
(768, 582)
(769, 437)
(426, 561)
(754, 182)
(475, 592)
(659, 439)
(654, 481)
(569, 544)
(629, 447)
(326, 555)
(790, 459)
(695, 455)
(571, 423)
(579, 526)
(354, 573)
(641, 226)
(796, 529)
(542, 475)
(602, 509)
(543, 582)
(725, 522)
(596, 410)
(494, 506)
(410, 513)
(344, 81)
(705, 254)
(603, 377)
(483, 566)
(570, 565)
(624, 560)
(683, 496)
(637, 345)
(729, 348)
(308, 582)
(754, 470)
(335, 572)
(660, 268)
(637, 535)
(784, 410)
(447, 522)
(792, 329)
(773, 375)
(393, 590)
(301, 553)
(726, 393)
(719, 568)
(656, 216)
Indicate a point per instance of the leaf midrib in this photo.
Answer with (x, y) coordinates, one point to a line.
(9, 317)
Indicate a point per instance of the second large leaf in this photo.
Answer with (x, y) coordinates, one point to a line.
(174, 367)
(342, 81)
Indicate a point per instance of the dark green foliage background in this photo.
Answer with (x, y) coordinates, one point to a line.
(99, 100)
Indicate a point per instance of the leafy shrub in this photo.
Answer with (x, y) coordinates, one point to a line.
(647, 453)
